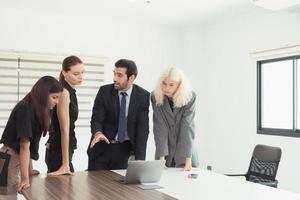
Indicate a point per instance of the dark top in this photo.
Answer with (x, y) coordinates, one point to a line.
(22, 123)
(105, 117)
(171, 103)
(54, 136)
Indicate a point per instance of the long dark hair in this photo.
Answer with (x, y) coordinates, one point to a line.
(38, 97)
(67, 64)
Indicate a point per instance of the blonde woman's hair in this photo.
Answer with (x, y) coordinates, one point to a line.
(182, 95)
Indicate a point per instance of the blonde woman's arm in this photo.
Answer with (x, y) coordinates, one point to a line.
(187, 133)
(160, 131)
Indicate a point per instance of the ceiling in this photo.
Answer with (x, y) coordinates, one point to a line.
(174, 12)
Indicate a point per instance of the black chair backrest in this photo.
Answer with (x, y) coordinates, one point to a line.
(264, 163)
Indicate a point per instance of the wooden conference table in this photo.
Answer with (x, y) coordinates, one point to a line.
(175, 183)
(93, 185)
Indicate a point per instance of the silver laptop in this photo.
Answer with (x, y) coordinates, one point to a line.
(144, 171)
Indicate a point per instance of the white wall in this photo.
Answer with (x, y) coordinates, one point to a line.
(218, 60)
(151, 46)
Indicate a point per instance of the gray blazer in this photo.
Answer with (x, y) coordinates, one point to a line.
(174, 132)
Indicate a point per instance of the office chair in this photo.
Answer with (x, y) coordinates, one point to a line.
(263, 165)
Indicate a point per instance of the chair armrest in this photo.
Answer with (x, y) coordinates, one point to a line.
(236, 175)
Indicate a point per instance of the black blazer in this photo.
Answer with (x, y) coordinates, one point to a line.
(105, 117)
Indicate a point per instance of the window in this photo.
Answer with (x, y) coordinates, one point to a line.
(19, 71)
(279, 96)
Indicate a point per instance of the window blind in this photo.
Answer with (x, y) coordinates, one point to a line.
(19, 71)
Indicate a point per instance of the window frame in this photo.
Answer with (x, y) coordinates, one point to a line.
(276, 131)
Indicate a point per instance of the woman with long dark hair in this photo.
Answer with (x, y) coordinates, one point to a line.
(62, 141)
(29, 119)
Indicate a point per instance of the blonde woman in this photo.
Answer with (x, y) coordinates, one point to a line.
(173, 104)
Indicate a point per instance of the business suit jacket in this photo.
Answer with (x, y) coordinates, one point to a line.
(174, 132)
(105, 117)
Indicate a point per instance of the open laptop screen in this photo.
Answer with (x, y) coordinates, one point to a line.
(144, 171)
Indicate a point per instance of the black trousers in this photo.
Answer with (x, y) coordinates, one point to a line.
(53, 159)
(105, 156)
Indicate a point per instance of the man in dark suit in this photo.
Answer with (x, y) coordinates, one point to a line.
(120, 121)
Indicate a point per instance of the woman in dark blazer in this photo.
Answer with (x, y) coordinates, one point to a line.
(173, 105)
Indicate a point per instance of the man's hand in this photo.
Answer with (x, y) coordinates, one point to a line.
(97, 138)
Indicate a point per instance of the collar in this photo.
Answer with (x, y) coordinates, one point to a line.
(129, 91)
(67, 86)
